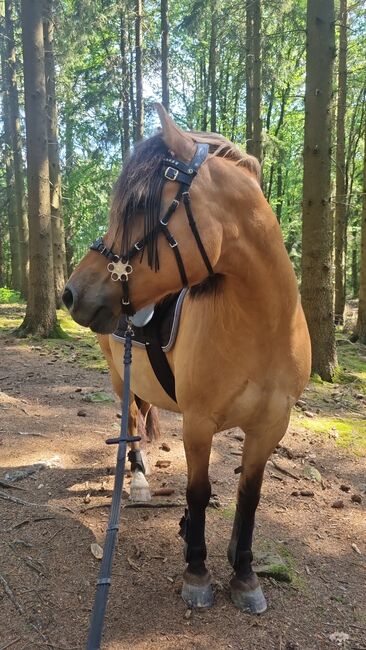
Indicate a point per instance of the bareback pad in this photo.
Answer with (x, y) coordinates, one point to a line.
(158, 337)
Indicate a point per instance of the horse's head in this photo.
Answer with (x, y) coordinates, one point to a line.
(165, 228)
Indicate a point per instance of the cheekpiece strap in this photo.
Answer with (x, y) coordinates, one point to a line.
(184, 173)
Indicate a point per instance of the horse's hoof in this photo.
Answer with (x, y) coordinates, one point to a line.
(247, 595)
(139, 488)
(197, 590)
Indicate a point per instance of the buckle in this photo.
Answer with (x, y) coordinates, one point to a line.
(171, 174)
(138, 248)
(173, 245)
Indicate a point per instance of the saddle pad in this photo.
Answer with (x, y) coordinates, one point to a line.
(163, 326)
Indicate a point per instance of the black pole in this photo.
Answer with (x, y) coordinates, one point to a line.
(104, 580)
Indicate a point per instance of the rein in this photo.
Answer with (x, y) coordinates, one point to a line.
(120, 266)
(104, 580)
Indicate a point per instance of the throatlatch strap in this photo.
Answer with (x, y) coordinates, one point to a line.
(193, 226)
(174, 246)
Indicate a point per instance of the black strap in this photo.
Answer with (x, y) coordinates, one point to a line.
(98, 245)
(161, 368)
(192, 223)
(178, 258)
(158, 360)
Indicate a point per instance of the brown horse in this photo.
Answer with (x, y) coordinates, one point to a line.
(242, 354)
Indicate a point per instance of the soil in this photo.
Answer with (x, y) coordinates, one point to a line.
(47, 569)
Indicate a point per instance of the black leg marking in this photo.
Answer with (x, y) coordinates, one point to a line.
(135, 458)
(240, 548)
(192, 528)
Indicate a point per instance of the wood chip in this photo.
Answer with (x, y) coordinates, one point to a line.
(338, 504)
(356, 549)
(163, 463)
(165, 447)
(97, 551)
(163, 492)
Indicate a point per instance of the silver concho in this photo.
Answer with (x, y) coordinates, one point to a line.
(119, 270)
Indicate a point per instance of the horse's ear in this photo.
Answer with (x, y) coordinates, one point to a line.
(178, 142)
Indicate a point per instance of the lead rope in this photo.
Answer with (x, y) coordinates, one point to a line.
(104, 580)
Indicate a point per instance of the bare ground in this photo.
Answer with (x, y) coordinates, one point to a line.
(48, 573)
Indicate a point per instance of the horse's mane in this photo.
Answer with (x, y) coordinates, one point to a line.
(140, 185)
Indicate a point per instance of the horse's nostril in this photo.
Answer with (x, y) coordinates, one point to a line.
(68, 298)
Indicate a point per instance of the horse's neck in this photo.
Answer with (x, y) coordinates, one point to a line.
(259, 285)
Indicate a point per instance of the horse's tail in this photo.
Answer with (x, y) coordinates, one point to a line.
(153, 424)
(148, 422)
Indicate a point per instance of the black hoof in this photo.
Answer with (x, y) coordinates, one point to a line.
(247, 595)
(197, 590)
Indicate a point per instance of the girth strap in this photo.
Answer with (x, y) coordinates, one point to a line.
(158, 361)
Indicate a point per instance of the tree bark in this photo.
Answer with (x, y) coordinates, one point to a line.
(16, 140)
(317, 230)
(138, 71)
(257, 82)
(125, 81)
(249, 76)
(341, 192)
(212, 67)
(69, 162)
(164, 53)
(9, 168)
(40, 318)
(361, 317)
(58, 233)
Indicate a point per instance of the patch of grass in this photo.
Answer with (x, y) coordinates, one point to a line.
(9, 296)
(349, 432)
(228, 512)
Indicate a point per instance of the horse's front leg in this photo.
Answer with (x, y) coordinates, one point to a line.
(246, 592)
(197, 438)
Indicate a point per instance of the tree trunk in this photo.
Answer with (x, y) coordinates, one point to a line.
(69, 153)
(212, 67)
(257, 82)
(125, 82)
(164, 53)
(341, 194)
(317, 230)
(58, 233)
(249, 77)
(16, 140)
(361, 318)
(40, 316)
(138, 71)
(9, 173)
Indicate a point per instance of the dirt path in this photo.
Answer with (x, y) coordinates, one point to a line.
(47, 571)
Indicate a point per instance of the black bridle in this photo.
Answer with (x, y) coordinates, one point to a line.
(120, 265)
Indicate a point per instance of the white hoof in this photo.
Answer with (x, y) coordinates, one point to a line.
(139, 489)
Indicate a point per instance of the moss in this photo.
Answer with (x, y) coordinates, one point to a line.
(349, 432)
(69, 341)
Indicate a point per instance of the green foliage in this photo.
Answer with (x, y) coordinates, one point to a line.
(9, 296)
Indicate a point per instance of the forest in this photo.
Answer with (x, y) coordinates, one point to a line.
(248, 70)
(81, 84)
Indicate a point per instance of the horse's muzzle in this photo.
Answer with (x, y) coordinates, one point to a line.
(89, 312)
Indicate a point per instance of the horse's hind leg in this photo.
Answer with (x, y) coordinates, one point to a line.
(246, 592)
(197, 438)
